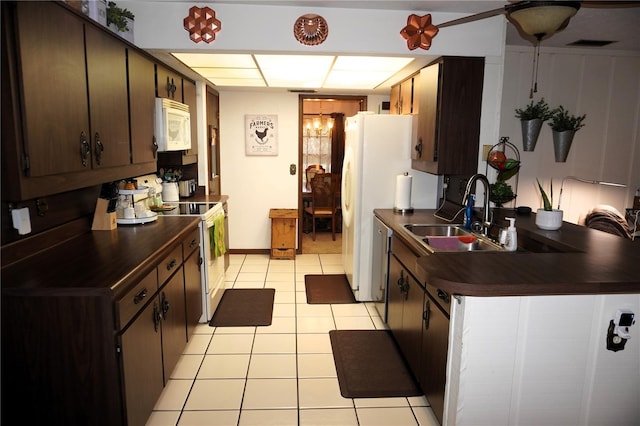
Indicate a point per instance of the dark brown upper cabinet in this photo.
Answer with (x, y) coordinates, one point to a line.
(142, 97)
(449, 91)
(65, 103)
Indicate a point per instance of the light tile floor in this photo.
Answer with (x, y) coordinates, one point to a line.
(282, 374)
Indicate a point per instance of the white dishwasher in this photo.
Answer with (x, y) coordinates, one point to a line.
(381, 251)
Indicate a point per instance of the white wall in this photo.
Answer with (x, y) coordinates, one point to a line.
(542, 360)
(604, 85)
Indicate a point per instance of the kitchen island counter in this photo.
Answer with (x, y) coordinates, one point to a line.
(530, 335)
(572, 260)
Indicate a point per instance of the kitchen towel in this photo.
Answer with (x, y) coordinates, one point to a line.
(216, 237)
(403, 192)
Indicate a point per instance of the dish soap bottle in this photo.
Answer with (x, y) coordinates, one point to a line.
(468, 212)
(511, 243)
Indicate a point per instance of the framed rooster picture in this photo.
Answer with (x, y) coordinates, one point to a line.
(261, 133)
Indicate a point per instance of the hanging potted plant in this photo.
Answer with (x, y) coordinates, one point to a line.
(547, 217)
(564, 126)
(120, 20)
(531, 118)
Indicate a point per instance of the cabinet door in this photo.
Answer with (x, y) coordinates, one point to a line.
(406, 96)
(142, 363)
(450, 99)
(109, 107)
(411, 337)
(53, 87)
(426, 148)
(193, 291)
(394, 99)
(397, 277)
(189, 92)
(141, 72)
(435, 343)
(174, 331)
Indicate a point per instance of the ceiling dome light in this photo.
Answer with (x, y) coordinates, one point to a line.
(311, 29)
(541, 19)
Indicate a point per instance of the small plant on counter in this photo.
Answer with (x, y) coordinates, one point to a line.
(562, 121)
(540, 110)
(547, 202)
(118, 16)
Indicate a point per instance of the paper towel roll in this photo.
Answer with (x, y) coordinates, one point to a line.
(403, 192)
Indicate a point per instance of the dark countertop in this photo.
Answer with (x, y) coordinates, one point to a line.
(99, 262)
(572, 260)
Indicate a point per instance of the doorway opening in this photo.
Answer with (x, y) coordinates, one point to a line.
(321, 137)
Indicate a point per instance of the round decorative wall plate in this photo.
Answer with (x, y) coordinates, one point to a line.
(311, 29)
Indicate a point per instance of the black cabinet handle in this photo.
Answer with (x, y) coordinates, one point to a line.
(193, 243)
(418, 148)
(156, 317)
(154, 147)
(172, 264)
(165, 306)
(99, 148)
(443, 295)
(426, 314)
(85, 148)
(139, 297)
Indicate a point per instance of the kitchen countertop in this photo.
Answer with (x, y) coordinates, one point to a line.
(573, 260)
(99, 262)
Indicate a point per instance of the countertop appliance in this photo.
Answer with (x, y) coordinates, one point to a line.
(380, 266)
(377, 150)
(212, 271)
(187, 188)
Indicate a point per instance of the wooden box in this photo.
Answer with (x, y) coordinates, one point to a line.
(283, 233)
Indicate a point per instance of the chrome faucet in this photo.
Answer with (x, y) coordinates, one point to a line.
(486, 213)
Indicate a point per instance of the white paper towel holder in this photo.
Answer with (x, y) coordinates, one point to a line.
(403, 210)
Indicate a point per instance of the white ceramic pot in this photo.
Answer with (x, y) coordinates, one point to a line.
(549, 220)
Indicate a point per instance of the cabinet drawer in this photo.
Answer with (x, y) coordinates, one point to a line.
(407, 257)
(136, 299)
(191, 243)
(169, 265)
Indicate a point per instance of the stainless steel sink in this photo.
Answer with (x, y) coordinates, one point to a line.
(450, 238)
(436, 230)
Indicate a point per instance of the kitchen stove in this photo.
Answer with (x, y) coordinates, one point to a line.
(211, 248)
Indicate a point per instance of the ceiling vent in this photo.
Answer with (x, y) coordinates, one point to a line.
(591, 43)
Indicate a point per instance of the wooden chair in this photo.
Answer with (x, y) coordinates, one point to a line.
(310, 172)
(323, 201)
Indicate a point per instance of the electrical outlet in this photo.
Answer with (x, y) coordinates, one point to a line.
(292, 169)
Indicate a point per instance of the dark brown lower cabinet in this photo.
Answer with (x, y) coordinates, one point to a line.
(141, 346)
(96, 355)
(419, 320)
(193, 291)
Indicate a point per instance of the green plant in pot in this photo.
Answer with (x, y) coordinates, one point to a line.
(547, 217)
(531, 118)
(564, 126)
(119, 17)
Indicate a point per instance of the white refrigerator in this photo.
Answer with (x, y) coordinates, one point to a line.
(377, 150)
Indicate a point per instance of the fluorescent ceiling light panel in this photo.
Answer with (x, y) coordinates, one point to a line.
(218, 60)
(294, 70)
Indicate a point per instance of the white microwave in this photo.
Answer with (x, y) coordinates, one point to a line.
(172, 125)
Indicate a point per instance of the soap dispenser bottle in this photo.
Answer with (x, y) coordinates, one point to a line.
(511, 243)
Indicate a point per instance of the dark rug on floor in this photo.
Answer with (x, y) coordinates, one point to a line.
(244, 307)
(369, 365)
(328, 289)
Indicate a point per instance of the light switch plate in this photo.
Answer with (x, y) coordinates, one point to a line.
(485, 151)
